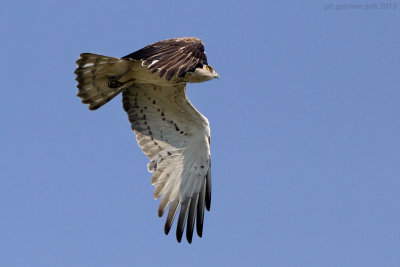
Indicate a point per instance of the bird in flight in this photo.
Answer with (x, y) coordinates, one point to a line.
(168, 128)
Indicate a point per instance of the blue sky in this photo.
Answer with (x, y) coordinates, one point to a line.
(304, 122)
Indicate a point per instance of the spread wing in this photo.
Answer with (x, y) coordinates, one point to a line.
(175, 137)
(172, 56)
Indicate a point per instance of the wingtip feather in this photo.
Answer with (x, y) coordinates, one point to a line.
(173, 206)
(182, 218)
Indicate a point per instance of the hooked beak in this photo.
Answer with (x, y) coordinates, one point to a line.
(216, 76)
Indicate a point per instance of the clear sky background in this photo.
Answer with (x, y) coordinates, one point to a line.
(305, 132)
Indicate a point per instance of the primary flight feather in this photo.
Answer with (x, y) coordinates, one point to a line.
(169, 130)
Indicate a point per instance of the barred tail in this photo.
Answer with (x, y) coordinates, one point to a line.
(98, 78)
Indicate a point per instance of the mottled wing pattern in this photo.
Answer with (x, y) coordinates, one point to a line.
(172, 56)
(175, 137)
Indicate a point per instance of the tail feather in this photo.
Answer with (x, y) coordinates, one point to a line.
(97, 78)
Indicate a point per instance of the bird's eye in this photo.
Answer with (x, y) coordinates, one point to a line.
(208, 68)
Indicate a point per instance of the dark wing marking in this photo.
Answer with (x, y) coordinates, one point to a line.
(173, 56)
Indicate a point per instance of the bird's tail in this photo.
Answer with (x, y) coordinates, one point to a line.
(99, 78)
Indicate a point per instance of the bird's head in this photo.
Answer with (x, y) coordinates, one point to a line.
(201, 74)
(211, 72)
